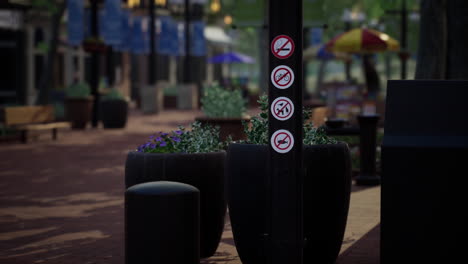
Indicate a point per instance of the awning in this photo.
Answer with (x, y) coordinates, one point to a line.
(217, 35)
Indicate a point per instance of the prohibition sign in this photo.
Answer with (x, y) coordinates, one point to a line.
(282, 47)
(282, 77)
(282, 141)
(282, 108)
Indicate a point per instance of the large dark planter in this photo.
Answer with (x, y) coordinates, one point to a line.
(227, 126)
(78, 111)
(114, 113)
(327, 186)
(205, 171)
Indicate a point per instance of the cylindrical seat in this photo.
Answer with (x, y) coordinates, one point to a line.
(162, 223)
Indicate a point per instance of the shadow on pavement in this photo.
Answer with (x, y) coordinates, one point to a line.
(364, 251)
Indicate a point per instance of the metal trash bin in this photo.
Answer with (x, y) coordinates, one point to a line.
(162, 223)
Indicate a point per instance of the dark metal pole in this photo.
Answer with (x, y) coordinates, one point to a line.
(367, 147)
(152, 57)
(348, 62)
(285, 226)
(110, 65)
(404, 29)
(187, 61)
(95, 64)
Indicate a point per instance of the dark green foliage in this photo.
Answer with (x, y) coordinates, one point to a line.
(258, 132)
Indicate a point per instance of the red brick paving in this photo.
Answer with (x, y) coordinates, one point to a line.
(62, 202)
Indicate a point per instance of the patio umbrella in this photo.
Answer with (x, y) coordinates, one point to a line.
(320, 53)
(231, 57)
(362, 40)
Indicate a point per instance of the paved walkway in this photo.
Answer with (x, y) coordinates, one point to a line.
(62, 202)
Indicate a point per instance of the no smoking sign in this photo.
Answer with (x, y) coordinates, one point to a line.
(282, 141)
(282, 47)
(282, 108)
(282, 77)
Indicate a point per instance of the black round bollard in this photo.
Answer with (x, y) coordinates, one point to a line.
(368, 145)
(162, 223)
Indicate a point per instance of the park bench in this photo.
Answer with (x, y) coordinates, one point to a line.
(32, 118)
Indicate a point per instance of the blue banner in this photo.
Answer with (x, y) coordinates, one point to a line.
(126, 24)
(181, 39)
(112, 26)
(164, 36)
(140, 36)
(76, 22)
(197, 39)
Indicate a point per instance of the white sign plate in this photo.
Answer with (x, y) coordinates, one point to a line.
(282, 141)
(282, 77)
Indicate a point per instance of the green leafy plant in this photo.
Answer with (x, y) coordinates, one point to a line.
(78, 90)
(201, 139)
(113, 95)
(257, 132)
(220, 102)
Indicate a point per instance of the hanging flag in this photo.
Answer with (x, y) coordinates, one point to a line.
(197, 38)
(75, 23)
(164, 35)
(139, 41)
(126, 29)
(112, 26)
(181, 39)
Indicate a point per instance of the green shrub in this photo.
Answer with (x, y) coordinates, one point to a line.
(78, 90)
(219, 102)
(113, 95)
(257, 133)
(201, 139)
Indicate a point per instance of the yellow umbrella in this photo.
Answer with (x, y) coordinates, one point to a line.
(362, 40)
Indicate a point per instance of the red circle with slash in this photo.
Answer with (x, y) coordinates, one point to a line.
(282, 141)
(282, 47)
(282, 108)
(282, 77)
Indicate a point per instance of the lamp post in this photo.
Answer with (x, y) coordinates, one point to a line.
(403, 54)
(95, 64)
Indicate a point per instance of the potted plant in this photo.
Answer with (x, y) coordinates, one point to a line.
(114, 110)
(193, 157)
(327, 185)
(78, 105)
(226, 109)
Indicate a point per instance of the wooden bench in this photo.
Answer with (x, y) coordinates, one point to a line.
(28, 118)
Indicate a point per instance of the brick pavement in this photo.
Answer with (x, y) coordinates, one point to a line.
(62, 202)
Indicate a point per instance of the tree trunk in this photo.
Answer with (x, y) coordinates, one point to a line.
(45, 81)
(432, 51)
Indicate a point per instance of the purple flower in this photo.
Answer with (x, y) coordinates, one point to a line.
(164, 134)
(153, 146)
(176, 139)
(159, 139)
(163, 144)
(179, 132)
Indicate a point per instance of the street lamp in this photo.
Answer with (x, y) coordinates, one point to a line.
(215, 6)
